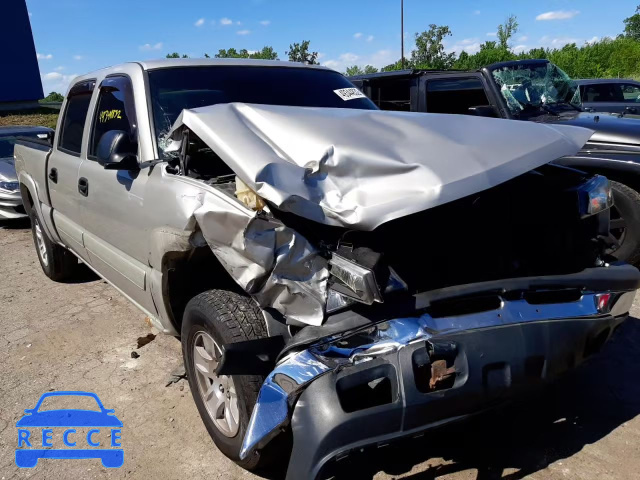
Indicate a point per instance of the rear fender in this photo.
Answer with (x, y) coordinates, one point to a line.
(32, 196)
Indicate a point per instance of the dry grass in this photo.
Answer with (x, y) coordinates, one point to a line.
(44, 117)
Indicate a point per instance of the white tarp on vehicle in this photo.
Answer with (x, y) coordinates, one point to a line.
(361, 168)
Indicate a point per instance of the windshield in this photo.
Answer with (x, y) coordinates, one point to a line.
(174, 89)
(8, 141)
(529, 88)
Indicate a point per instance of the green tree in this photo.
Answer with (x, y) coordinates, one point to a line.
(632, 25)
(396, 66)
(356, 70)
(507, 30)
(176, 55)
(429, 52)
(53, 97)
(490, 52)
(299, 52)
(267, 53)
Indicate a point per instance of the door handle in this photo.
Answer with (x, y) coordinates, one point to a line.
(83, 186)
(53, 175)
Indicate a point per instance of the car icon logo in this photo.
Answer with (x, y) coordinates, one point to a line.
(98, 423)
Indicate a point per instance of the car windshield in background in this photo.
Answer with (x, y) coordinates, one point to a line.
(174, 89)
(531, 89)
(8, 141)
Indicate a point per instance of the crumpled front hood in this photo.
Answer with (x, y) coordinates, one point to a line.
(8, 170)
(362, 168)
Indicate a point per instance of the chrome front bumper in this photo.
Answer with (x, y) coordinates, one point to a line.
(394, 375)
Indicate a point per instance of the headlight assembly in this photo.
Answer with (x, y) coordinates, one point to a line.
(353, 282)
(595, 196)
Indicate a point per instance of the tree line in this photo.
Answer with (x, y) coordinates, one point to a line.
(608, 57)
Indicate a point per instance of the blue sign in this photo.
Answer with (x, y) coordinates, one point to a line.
(34, 445)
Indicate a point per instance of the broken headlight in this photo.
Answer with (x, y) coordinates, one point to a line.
(358, 275)
(354, 280)
(595, 196)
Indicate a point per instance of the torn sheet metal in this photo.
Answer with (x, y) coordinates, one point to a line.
(362, 168)
(270, 261)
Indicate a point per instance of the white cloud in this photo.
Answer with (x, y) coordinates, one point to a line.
(243, 32)
(469, 45)
(199, 22)
(56, 82)
(357, 35)
(225, 21)
(492, 34)
(476, 12)
(265, 22)
(148, 47)
(519, 48)
(344, 60)
(59, 69)
(370, 38)
(78, 57)
(523, 38)
(349, 57)
(238, 22)
(593, 39)
(558, 42)
(557, 15)
(42, 56)
(52, 76)
(378, 59)
(321, 55)
(30, 14)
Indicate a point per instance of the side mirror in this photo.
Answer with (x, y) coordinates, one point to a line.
(116, 151)
(484, 111)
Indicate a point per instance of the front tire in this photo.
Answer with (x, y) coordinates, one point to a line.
(57, 263)
(212, 320)
(625, 223)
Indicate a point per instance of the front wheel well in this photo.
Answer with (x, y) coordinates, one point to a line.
(27, 199)
(187, 274)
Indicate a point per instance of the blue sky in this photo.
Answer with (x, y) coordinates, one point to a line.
(76, 36)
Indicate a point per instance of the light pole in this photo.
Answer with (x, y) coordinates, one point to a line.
(402, 33)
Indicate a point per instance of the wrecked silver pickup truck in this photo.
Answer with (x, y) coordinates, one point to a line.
(339, 276)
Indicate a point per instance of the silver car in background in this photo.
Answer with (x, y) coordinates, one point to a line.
(10, 200)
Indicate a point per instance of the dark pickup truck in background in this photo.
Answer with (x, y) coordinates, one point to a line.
(537, 91)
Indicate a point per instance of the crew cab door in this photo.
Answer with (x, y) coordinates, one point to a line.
(116, 239)
(611, 97)
(463, 94)
(63, 167)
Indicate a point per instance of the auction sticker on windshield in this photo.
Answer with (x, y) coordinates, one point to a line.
(349, 93)
(69, 433)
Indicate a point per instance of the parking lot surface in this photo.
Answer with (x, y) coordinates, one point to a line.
(80, 336)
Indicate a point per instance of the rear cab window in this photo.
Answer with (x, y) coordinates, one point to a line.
(455, 95)
(75, 115)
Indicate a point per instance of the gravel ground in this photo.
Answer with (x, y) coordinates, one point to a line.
(80, 337)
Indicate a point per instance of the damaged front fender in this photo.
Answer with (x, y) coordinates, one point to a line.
(270, 261)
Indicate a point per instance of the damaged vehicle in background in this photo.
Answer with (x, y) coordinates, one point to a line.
(339, 276)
